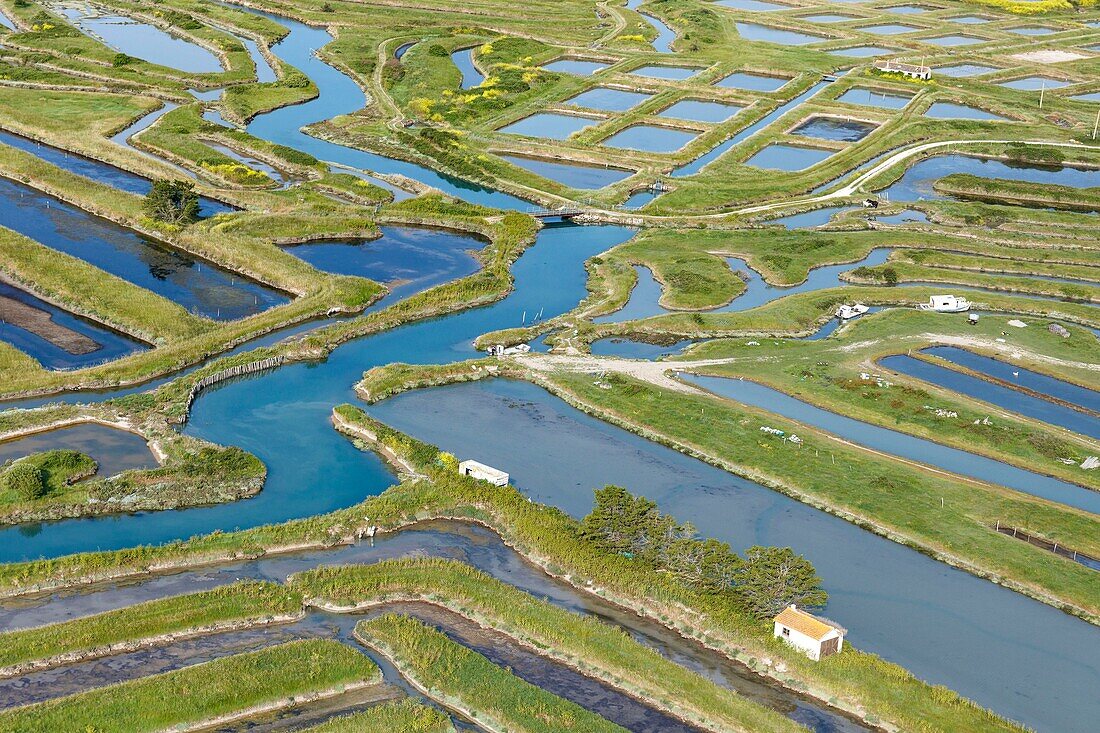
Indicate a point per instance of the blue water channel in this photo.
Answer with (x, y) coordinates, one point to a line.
(1008, 372)
(99, 171)
(144, 41)
(464, 60)
(198, 286)
(644, 298)
(916, 183)
(958, 630)
(1046, 678)
(900, 444)
(665, 35)
(95, 343)
(574, 175)
(1010, 399)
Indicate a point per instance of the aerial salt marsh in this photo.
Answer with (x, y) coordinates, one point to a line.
(113, 449)
(245, 411)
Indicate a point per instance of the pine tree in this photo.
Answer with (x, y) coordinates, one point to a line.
(173, 202)
(773, 578)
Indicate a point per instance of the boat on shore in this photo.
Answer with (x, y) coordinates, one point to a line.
(946, 304)
(846, 312)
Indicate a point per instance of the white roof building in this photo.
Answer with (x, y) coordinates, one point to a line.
(485, 473)
(816, 637)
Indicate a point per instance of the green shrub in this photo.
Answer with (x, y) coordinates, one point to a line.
(27, 480)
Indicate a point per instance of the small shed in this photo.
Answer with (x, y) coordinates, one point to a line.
(817, 637)
(485, 473)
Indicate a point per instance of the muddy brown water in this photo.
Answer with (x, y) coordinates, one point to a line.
(41, 324)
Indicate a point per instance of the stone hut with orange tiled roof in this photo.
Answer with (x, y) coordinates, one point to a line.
(817, 637)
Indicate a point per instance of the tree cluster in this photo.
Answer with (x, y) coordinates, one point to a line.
(766, 580)
(173, 202)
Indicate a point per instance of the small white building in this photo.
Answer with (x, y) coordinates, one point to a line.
(815, 636)
(483, 472)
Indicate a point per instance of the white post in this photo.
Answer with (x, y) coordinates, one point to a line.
(1096, 124)
(1042, 93)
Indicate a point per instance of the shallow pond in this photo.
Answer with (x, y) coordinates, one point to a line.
(575, 66)
(970, 20)
(961, 70)
(700, 111)
(1034, 83)
(1005, 397)
(753, 82)
(830, 18)
(872, 98)
(608, 99)
(650, 138)
(630, 349)
(954, 40)
(1093, 97)
(782, 157)
(909, 9)
(409, 260)
(770, 34)
(952, 111)
(833, 128)
(897, 443)
(56, 338)
(660, 71)
(113, 449)
(143, 40)
(574, 175)
(889, 29)
(549, 125)
(1032, 31)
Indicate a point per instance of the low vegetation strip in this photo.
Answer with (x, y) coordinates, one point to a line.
(405, 716)
(231, 606)
(594, 648)
(1019, 193)
(468, 682)
(204, 694)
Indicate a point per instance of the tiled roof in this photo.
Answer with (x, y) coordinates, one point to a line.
(805, 623)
